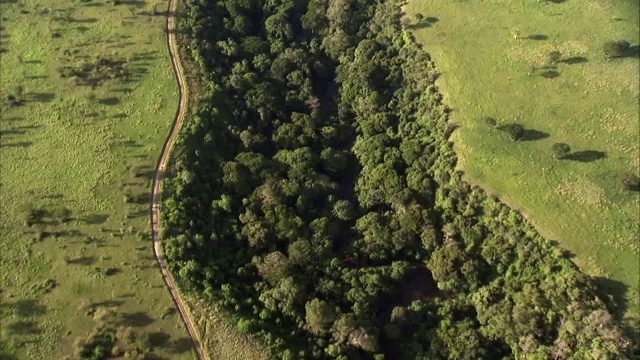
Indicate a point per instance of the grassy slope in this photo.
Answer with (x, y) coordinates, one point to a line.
(66, 147)
(592, 105)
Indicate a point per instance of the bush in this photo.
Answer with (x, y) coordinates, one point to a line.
(614, 49)
(560, 150)
(490, 122)
(630, 182)
(515, 131)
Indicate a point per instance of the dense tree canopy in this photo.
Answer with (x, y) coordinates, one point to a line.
(313, 197)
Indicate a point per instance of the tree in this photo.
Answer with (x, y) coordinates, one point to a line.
(319, 316)
(630, 181)
(419, 17)
(554, 57)
(560, 150)
(343, 210)
(490, 122)
(615, 49)
(514, 131)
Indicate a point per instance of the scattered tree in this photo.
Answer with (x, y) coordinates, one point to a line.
(630, 181)
(490, 122)
(554, 57)
(616, 49)
(560, 150)
(514, 131)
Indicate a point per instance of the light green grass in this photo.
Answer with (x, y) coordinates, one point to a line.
(72, 146)
(592, 105)
(220, 339)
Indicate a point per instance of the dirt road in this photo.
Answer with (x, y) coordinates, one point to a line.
(160, 170)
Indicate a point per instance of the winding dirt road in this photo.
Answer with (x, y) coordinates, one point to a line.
(159, 174)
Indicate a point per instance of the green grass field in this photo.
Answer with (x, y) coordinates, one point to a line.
(488, 52)
(93, 152)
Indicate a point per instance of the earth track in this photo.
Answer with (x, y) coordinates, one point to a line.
(156, 192)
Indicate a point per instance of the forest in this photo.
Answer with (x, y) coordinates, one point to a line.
(313, 198)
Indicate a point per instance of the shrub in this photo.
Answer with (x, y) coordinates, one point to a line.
(614, 49)
(514, 131)
(490, 122)
(560, 150)
(630, 181)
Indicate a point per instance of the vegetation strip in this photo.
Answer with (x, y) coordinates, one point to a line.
(314, 198)
(156, 194)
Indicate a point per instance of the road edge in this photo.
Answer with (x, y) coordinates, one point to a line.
(156, 192)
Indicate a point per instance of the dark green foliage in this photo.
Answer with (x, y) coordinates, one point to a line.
(615, 49)
(514, 131)
(490, 122)
(560, 150)
(630, 181)
(554, 57)
(317, 180)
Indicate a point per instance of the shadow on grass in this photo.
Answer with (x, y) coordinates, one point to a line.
(533, 135)
(613, 292)
(96, 219)
(18, 144)
(83, 260)
(574, 60)
(41, 97)
(28, 308)
(24, 328)
(424, 23)
(110, 101)
(550, 74)
(137, 319)
(586, 156)
(159, 339)
(537, 37)
(634, 52)
(181, 345)
(107, 303)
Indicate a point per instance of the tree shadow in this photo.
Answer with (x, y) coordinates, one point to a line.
(96, 219)
(23, 144)
(83, 260)
(28, 308)
(424, 23)
(83, 21)
(41, 97)
(550, 74)
(181, 345)
(21, 327)
(633, 52)
(574, 60)
(107, 303)
(110, 101)
(586, 156)
(533, 135)
(613, 293)
(137, 319)
(159, 339)
(556, 1)
(537, 37)
(136, 3)
(120, 116)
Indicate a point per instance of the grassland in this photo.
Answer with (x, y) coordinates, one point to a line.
(492, 56)
(90, 150)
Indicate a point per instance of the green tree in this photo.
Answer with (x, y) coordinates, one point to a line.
(560, 150)
(343, 210)
(615, 49)
(319, 316)
(514, 131)
(630, 181)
